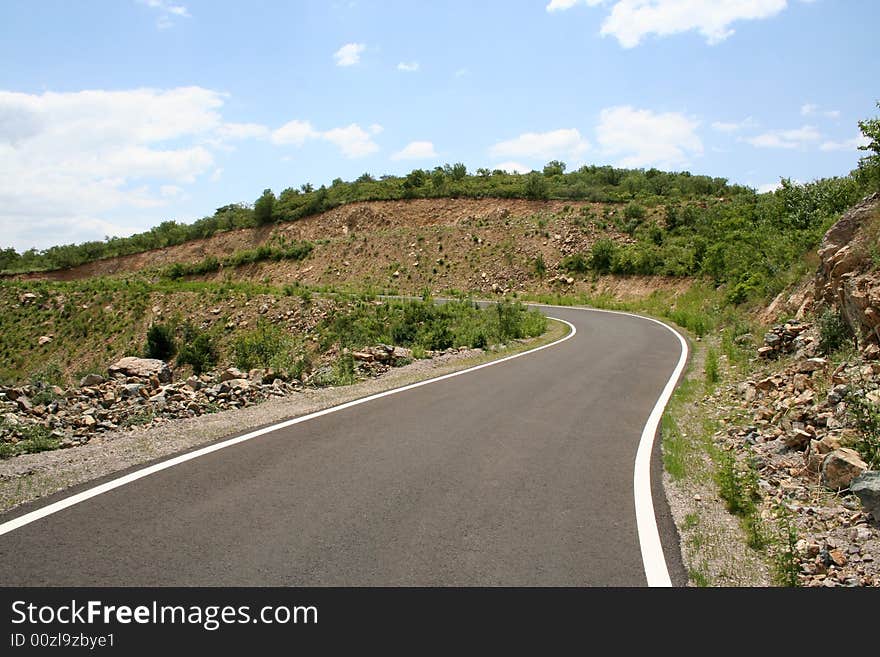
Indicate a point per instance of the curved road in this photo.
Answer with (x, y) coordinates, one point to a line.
(520, 474)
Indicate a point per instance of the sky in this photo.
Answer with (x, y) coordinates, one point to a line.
(116, 115)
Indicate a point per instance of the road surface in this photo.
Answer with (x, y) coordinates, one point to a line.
(516, 474)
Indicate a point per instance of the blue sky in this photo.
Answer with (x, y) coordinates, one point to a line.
(116, 115)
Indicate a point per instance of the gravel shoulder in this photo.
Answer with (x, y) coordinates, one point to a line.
(29, 477)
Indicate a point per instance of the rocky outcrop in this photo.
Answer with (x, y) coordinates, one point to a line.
(848, 278)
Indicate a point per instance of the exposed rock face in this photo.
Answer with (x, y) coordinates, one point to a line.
(847, 277)
(141, 368)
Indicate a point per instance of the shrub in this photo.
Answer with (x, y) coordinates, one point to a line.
(265, 346)
(834, 332)
(602, 256)
(866, 416)
(198, 350)
(160, 342)
(576, 263)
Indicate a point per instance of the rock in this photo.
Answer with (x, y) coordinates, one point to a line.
(232, 373)
(44, 339)
(797, 439)
(838, 393)
(195, 383)
(24, 404)
(811, 365)
(871, 351)
(363, 356)
(867, 488)
(840, 467)
(766, 352)
(837, 557)
(27, 297)
(142, 368)
(402, 352)
(91, 380)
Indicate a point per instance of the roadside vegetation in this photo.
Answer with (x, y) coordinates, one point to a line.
(203, 325)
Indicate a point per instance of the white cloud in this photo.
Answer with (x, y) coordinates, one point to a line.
(108, 151)
(352, 140)
(796, 138)
(408, 67)
(734, 126)
(513, 167)
(643, 138)
(809, 109)
(630, 21)
(562, 5)
(167, 12)
(565, 144)
(229, 131)
(416, 150)
(845, 145)
(349, 54)
(295, 132)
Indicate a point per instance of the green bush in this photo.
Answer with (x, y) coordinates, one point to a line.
(198, 350)
(834, 332)
(602, 256)
(160, 342)
(266, 346)
(575, 263)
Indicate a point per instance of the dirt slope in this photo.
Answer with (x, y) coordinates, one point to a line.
(476, 245)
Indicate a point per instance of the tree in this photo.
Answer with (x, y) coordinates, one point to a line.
(554, 168)
(869, 166)
(536, 186)
(414, 180)
(264, 208)
(459, 171)
(438, 179)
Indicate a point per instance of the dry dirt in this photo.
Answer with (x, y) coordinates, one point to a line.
(475, 245)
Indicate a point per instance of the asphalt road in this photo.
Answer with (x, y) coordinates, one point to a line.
(518, 474)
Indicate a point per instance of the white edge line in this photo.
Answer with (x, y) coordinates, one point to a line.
(68, 502)
(653, 559)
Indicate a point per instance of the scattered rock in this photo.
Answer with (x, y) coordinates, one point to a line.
(840, 467)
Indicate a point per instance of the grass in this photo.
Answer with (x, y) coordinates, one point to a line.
(30, 439)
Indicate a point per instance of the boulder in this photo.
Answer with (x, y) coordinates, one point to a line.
(867, 488)
(840, 467)
(44, 339)
(232, 373)
(142, 368)
(91, 380)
